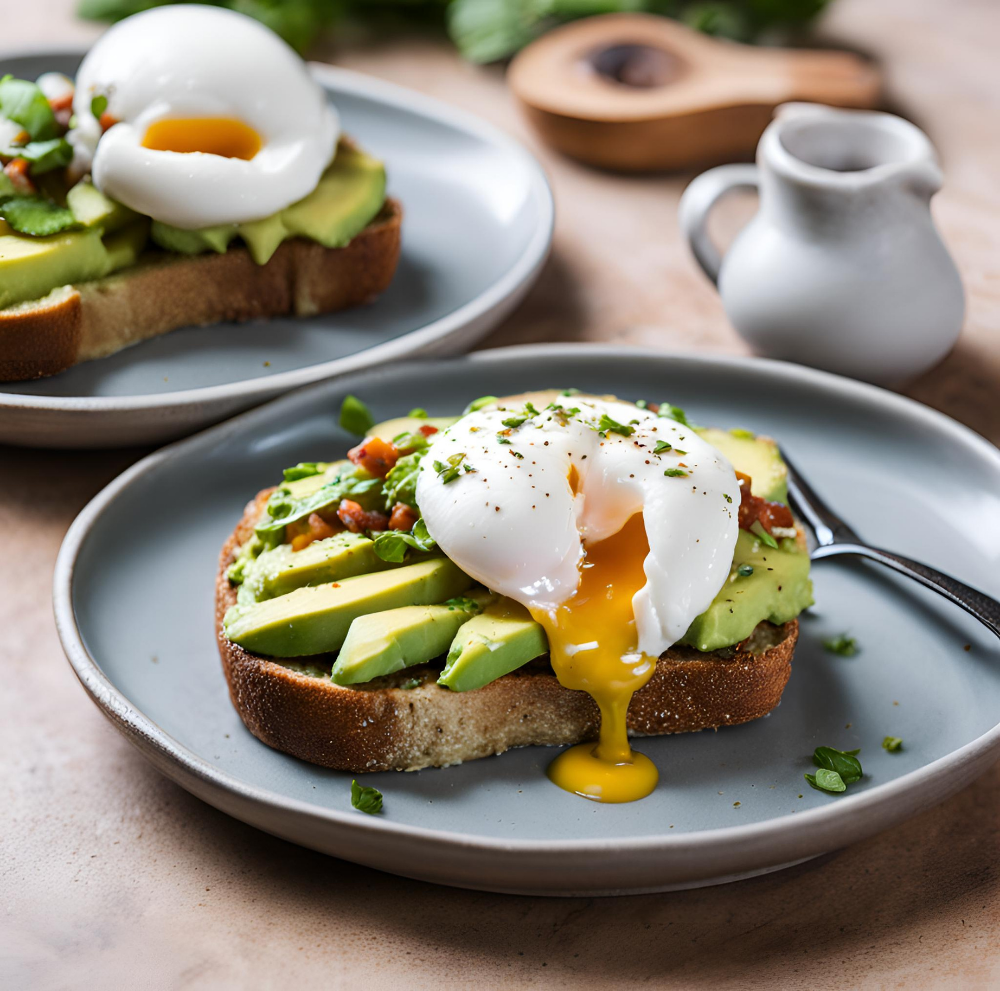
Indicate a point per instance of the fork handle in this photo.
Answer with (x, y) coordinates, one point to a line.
(980, 605)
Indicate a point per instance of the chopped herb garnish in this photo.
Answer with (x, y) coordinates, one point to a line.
(661, 446)
(727, 497)
(745, 570)
(98, 105)
(844, 762)
(824, 780)
(479, 404)
(418, 413)
(366, 799)
(671, 412)
(843, 645)
(758, 530)
(463, 602)
(570, 392)
(608, 425)
(392, 545)
(305, 469)
(411, 683)
(675, 473)
(514, 421)
(502, 440)
(449, 470)
(892, 744)
(355, 417)
(641, 403)
(25, 104)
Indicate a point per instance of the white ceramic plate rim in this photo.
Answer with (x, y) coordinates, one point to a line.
(519, 275)
(814, 825)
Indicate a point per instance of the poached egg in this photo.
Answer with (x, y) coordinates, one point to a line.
(613, 526)
(210, 118)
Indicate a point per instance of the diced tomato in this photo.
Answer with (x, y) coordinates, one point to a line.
(317, 529)
(107, 121)
(63, 102)
(359, 520)
(753, 508)
(403, 517)
(17, 171)
(375, 455)
(428, 430)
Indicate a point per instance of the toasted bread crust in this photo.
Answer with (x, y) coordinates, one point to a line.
(166, 291)
(379, 726)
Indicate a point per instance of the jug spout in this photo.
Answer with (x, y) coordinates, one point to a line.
(826, 147)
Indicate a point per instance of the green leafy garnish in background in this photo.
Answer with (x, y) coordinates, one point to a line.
(35, 215)
(42, 156)
(489, 30)
(25, 104)
(355, 417)
(366, 799)
(842, 645)
(392, 545)
(825, 780)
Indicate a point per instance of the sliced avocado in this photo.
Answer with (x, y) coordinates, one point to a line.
(93, 209)
(281, 569)
(316, 619)
(777, 589)
(756, 456)
(388, 429)
(349, 195)
(125, 245)
(499, 640)
(31, 267)
(383, 642)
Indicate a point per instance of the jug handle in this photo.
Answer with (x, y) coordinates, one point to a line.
(697, 202)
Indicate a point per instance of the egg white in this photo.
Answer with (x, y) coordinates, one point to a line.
(514, 524)
(192, 61)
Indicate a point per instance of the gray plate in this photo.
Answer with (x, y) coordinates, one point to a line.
(134, 609)
(477, 225)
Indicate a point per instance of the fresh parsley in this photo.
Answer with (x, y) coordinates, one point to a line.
(842, 645)
(25, 104)
(479, 403)
(844, 762)
(675, 473)
(401, 482)
(392, 545)
(893, 744)
(411, 683)
(450, 469)
(608, 425)
(671, 412)
(98, 105)
(661, 446)
(355, 417)
(366, 799)
(43, 156)
(37, 216)
(824, 780)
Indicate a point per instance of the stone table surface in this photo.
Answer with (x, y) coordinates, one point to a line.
(112, 876)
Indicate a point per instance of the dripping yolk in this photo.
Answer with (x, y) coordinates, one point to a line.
(223, 136)
(593, 647)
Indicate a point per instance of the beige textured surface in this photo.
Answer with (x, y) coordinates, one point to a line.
(110, 876)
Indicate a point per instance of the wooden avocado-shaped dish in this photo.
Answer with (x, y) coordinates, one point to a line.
(638, 92)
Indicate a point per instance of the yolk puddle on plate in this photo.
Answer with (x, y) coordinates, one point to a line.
(593, 648)
(224, 136)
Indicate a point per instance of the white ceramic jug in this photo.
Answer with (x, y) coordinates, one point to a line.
(842, 266)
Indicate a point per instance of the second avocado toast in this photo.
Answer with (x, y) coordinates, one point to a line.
(350, 640)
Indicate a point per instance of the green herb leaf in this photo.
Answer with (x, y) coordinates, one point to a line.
(305, 469)
(608, 425)
(727, 497)
(25, 104)
(570, 392)
(37, 216)
(757, 528)
(479, 404)
(514, 421)
(893, 744)
(843, 645)
(671, 412)
(418, 413)
(98, 105)
(401, 482)
(464, 603)
(675, 473)
(43, 156)
(355, 417)
(6, 186)
(824, 780)
(450, 470)
(392, 545)
(411, 683)
(745, 570)
(661, 446)
(845, 763)
(282, 509)
(366, 799)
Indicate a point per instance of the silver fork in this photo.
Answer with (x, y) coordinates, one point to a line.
(832, 536)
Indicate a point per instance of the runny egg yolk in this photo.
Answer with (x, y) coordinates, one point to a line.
(593, 647)
(223, 136)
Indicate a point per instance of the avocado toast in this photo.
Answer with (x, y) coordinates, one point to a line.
(160, 191)
(350, 640)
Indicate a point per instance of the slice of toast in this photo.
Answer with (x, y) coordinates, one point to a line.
(165, 291)
(379, 726)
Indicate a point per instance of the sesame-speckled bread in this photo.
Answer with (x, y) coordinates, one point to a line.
(165, 291)
(379, 726)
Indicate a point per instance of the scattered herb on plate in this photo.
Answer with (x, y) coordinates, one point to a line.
(366, 799)
(842, 645)
(893, 744)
